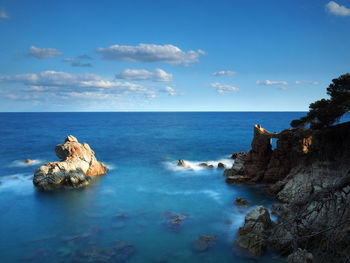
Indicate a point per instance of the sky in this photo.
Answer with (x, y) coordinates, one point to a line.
(136, 55)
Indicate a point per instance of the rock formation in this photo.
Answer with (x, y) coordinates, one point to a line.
(256, 230)
(310, 173)
(300, 256)
(76, 168)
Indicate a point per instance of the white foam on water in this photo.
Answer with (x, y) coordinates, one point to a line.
(21, 183)
(193, 166)
(210, 193)
(110, 166)
(22, 163)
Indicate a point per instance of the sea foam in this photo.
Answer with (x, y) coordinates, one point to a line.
(195, 165)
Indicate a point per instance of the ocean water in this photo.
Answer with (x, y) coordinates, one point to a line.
(133, 202)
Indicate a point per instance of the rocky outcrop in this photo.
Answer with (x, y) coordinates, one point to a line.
(77, 167)
(256, 230)
(236, 173)
(310, 172)
(240, 201)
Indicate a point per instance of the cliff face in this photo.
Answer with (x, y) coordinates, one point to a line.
(296, 148)
(310, 173)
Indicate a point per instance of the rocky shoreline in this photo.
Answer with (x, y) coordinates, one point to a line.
(309, 174)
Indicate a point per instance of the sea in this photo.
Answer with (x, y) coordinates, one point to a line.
(126, 215)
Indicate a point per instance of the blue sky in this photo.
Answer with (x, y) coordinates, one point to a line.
(250, 55)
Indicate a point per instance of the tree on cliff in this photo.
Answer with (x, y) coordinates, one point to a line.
(325, 112)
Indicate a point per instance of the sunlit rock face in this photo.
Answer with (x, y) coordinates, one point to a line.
(77, 167)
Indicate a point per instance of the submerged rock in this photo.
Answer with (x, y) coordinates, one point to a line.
(241, 202)
(256, 230)
(174, 221)
(203, 243)
(300, 256)
(77, 166)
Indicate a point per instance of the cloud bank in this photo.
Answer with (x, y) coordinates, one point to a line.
(158, 75)
(43, 52)
(150, 53)
(66, 85)
(336, 9)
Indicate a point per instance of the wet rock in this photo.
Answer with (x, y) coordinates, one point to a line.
(204, 164)
(203, 243)
(240, 201)
(238, 155)
(276, 209)
(256, 230)
(76, 168)
(181, 163)
(174, 221)
(300, 256)
(236, 173)
(211, 166)
(221, 165)
(28, 161)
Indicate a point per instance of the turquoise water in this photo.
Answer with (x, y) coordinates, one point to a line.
(144, 187)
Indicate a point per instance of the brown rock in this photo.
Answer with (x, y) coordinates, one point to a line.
(76, 168)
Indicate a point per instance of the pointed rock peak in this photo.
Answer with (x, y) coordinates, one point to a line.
(71, 138)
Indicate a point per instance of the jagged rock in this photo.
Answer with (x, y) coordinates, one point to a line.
(76, 168)
(203, 243)
(221, 165)
(236, 173)
(256, 230)
(240, 201)
(300, 256)
(234, 156)
(260, 154)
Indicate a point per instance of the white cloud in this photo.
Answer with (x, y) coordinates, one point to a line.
(336, 9)
(171, 91)
(270, 83)
(158, 75)
(301, 82)
(224, 73)
(66, 85)
(3, 14)
(223, 88)
(43, 52)
(150, 53)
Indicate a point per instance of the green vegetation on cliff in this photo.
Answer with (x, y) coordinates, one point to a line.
(325, 112)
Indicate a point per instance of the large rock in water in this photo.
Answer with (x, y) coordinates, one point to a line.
(256, 230)
(77, 166)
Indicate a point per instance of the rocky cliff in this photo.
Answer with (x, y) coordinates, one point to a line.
(77, 166)
(309, 172)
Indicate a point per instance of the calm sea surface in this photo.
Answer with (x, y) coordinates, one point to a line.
(143, 188)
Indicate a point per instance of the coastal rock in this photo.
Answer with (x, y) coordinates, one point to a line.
(77, 167)
(28, 161)
(260, 154)
(241, 202)
(204, 165)
(181, 163)
(300, 256)
(203, 243)
(256, 230)
(221, 165)
(236, 173)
